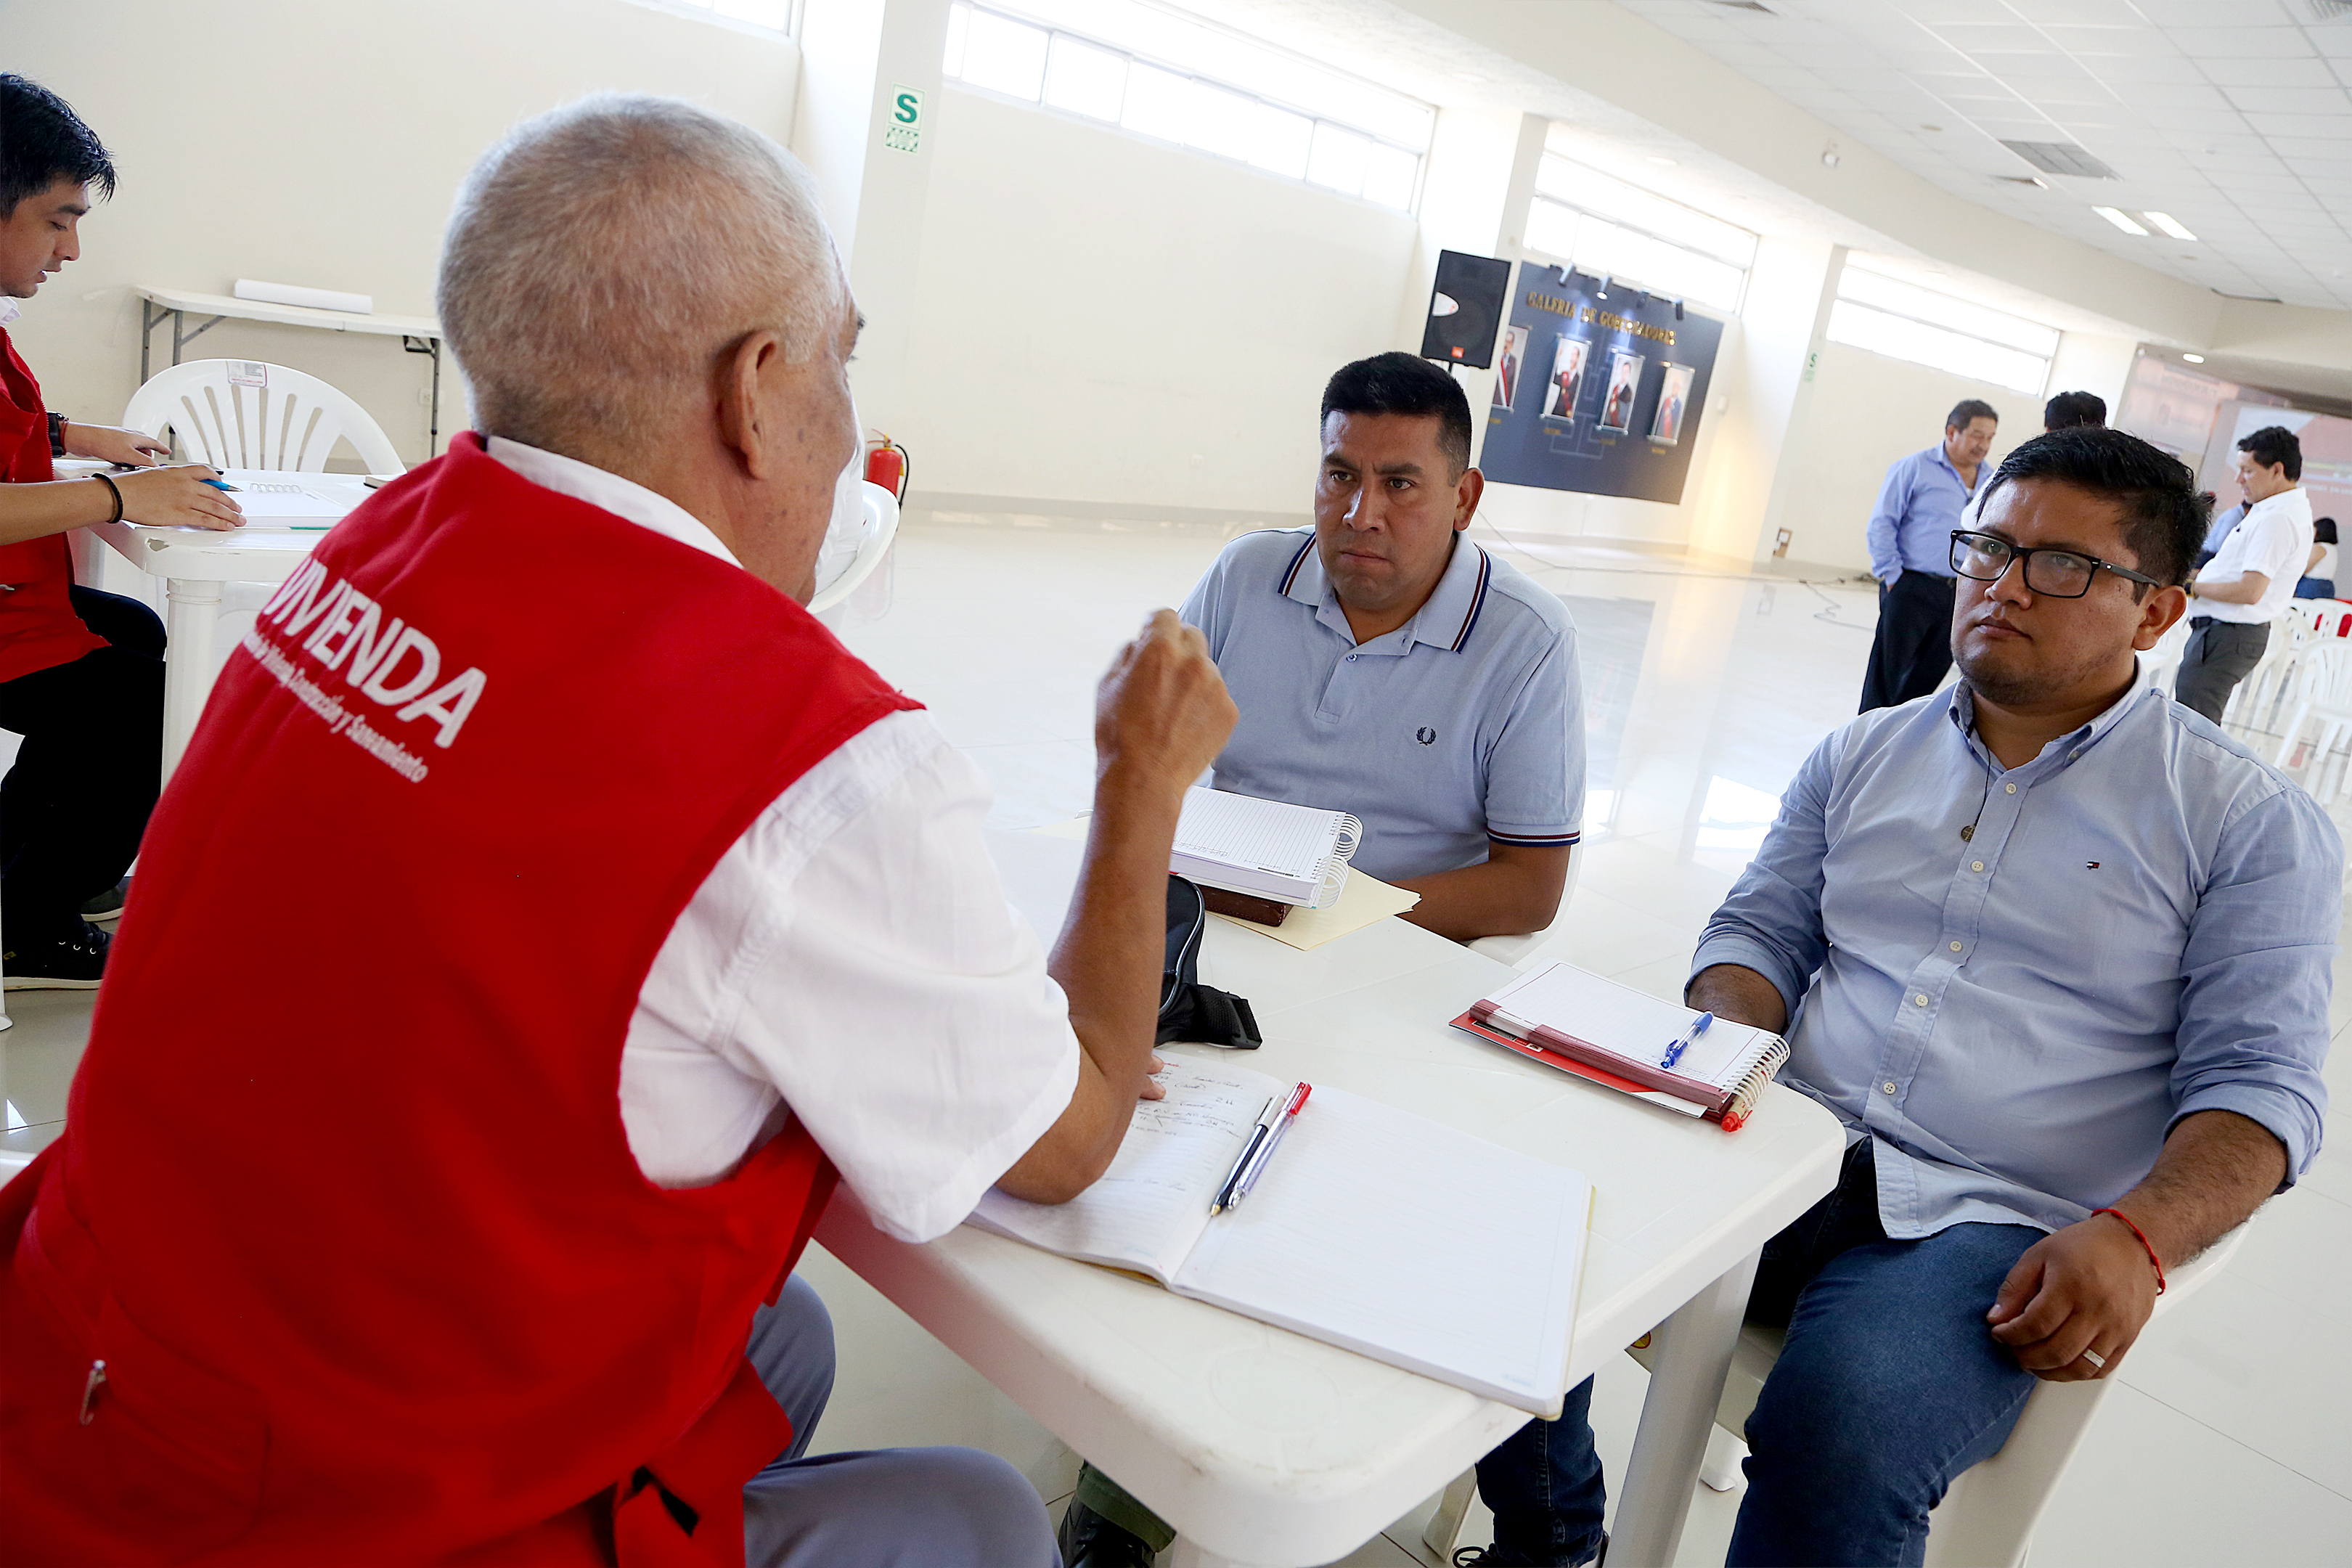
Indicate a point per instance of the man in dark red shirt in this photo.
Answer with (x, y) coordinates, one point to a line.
(81, 673)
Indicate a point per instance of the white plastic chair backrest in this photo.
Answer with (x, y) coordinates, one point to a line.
(2325, 674)
(288, 422)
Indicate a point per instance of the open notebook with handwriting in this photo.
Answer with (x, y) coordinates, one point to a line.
(1371, 1228)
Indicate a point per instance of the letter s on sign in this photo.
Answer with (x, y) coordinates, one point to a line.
(908, 109)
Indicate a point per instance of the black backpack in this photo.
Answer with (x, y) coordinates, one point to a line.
(1189, 1011)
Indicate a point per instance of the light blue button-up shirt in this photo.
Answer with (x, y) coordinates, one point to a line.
(1918, 506)
(2141, 925)
(1464, 725)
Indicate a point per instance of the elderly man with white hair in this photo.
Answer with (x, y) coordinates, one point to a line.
(465, 1231)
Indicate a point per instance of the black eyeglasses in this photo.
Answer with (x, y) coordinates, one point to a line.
(2057, 573)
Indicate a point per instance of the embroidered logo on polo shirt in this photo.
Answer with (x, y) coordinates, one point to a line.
(1425, 735)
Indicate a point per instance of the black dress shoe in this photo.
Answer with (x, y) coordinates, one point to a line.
(1088, 1539)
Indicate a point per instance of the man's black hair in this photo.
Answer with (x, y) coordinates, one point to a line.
(2164, 517)
(43, 141)
(1400, 383)
(2323, 530)
(1968, 409)
(2274, 446)
(2071, 410)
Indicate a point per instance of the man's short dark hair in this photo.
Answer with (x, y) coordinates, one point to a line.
(2073, 410)
(1968, 410)
(45, 142)
(2323, 530)
(2274, 445)
(2164, 517)
(1400, 383)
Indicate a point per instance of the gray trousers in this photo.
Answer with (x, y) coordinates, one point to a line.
(888, 1508)
(2218, 656)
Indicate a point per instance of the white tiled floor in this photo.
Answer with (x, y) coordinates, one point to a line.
(2227, 1440)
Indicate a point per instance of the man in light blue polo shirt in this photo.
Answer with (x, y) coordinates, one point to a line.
(1385, 665)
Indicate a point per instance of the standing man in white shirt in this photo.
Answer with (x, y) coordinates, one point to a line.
(2251, 578)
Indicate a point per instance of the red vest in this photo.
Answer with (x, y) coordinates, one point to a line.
(38, 628)
(344, 1201)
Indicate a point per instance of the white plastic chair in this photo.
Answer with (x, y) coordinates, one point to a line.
(2162, 662)
(288, 422)
(2255, 701)
(2323, 697)
(1986, 1518)
(1510, 950)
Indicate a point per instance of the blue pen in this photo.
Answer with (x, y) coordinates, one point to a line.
(1676, 1047)
(219, 484)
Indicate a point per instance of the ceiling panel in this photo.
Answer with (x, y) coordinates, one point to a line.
(2232, 115)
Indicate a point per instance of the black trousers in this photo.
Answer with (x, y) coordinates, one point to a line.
(2219, 655)
(1913, 650)
(73, 808)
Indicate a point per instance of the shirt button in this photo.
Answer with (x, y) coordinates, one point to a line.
(1888, 1086)
(2011, 788)
(1956, 947)
(1920, 1001)
(1976, 865)
(1351, 658)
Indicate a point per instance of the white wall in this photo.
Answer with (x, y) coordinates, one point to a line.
(2094, 362)
(1101, 320)
(321, 144)
(1867, 410)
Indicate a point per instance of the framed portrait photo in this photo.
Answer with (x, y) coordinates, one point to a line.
(1674, 404)
(1625, 381)
(1567, 378)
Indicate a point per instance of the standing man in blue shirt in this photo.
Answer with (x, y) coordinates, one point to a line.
(1910, 535)
(1384, 664)
(2058, 954)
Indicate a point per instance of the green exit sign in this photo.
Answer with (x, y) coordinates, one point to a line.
(903, 130)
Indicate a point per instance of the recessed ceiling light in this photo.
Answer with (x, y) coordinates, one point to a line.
(2194, 359)
(2170, 224)
(2122, 220)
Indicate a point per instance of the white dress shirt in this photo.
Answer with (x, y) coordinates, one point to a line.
(2274, 539)
(851, 959)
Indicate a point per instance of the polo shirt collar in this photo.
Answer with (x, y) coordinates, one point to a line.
(1444, 620)
(601, 487)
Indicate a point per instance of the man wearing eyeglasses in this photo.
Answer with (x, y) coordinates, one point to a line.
(2057, 952)
(2253, 574)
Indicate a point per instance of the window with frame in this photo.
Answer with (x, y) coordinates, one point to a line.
(1161, 74)
(1598, 224)
(1887, 315)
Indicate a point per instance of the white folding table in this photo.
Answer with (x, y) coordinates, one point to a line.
(194, 563)
(1266, 1448)
(417, 334)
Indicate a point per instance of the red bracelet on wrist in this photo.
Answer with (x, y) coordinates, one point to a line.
(2153, 1260)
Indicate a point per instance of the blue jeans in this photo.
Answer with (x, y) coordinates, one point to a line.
(1889, 1388)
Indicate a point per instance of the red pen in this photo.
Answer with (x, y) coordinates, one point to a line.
(1265, 1151)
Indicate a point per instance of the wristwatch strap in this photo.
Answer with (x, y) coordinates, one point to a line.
(56, 435)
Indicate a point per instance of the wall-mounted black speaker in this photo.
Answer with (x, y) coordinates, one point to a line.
(1466, 308)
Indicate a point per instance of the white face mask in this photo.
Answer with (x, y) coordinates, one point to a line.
(864, 519)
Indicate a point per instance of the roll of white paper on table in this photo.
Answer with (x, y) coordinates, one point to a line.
(294, 294)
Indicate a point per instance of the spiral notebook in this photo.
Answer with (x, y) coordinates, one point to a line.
(1566, 1018)
(1373, 1229)
(1291, 854)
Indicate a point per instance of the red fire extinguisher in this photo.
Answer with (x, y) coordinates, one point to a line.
(886, 465)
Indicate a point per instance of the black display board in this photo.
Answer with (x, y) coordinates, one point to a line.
(1598, 395)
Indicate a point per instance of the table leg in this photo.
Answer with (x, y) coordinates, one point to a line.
(191, 610)
(1695, 1349)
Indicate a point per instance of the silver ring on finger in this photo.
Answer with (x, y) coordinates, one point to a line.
(2096, 1359)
